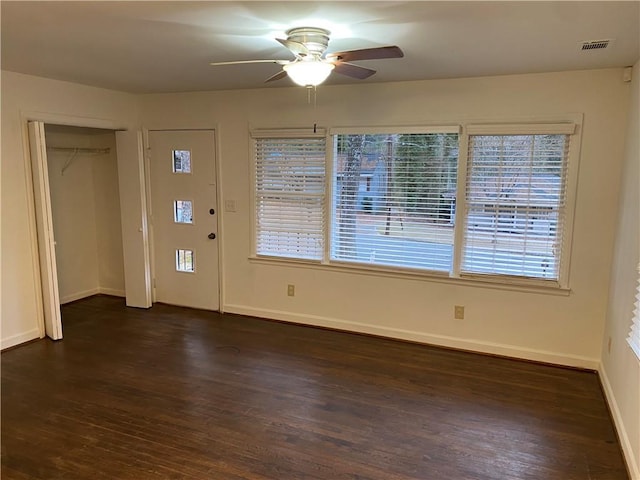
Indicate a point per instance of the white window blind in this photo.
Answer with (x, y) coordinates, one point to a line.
(289, 197)
(634, 333)
(515, 203)
(394, 199)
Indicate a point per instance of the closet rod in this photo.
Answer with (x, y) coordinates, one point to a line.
(79, 150)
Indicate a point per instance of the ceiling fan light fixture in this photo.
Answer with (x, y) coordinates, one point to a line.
(308, 74)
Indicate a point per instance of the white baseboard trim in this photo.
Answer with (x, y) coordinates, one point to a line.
(629, 455)
(111, 291)
(78, 295)
(20, 338)
(94, 291)
(419, 337)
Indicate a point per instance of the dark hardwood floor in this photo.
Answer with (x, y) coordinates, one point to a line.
(174, 393)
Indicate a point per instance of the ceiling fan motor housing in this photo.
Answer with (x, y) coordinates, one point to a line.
(315, 39)
(310, 67)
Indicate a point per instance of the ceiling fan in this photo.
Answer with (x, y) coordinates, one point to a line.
(309, 68)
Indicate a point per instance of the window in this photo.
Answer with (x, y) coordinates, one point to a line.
(185, 261)
(182, 211)
(515, 205)
(634, 333)
(181, 161)
(289, 196)
(495, 202)
(393, 199)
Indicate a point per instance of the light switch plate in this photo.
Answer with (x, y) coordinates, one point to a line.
(229, 205)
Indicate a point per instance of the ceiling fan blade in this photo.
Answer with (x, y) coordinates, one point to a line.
(277, 76)
(353, 71)
(297, 48)
(366, 54)
(240, 62)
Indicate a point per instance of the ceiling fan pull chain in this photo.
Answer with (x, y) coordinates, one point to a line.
(315, 107)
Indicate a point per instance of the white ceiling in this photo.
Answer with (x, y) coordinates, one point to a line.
(149, 46)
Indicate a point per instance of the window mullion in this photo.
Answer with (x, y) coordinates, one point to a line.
(328, 204)
(459, 231)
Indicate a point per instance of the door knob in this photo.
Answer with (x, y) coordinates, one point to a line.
(211, 236)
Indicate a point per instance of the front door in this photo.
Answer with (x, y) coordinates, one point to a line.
(184, 218)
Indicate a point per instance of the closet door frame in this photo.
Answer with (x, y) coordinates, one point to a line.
(48, 268)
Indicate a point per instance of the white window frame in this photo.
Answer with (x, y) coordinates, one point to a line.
(573, 130)
(570, 124)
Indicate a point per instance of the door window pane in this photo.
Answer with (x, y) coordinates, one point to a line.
(185, 261)
(181, 161)
(182, 211)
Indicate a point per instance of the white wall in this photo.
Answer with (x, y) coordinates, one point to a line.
(620, 368)
(107, 213)
(86, 213)
(555, 328)
(73, 215)
(24, 97)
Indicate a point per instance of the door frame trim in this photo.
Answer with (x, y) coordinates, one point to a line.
(50, 118)
(220, 222)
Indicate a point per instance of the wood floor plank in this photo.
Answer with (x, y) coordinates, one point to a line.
(175, 393)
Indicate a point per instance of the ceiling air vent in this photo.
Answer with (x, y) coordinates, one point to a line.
(595, 45)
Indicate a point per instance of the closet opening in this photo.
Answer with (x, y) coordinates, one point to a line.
(85, 211)
(90, 216)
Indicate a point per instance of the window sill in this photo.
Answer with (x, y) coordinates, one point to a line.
(408, 274)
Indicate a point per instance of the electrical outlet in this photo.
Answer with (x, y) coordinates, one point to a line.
(609, 345)
(291, 290)
(458, 312)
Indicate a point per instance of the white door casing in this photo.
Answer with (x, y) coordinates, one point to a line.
(44, 227)
(175, 236)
